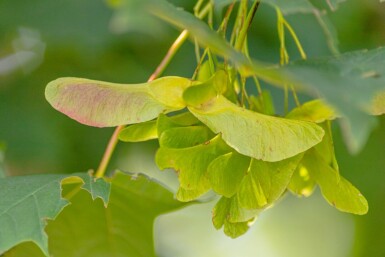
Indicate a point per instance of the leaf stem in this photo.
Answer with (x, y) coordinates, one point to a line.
(246, 25)
(108, 152)
(170, 54)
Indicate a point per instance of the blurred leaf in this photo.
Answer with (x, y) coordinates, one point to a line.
(266, 182)
(291, 7)
(202, 32)
(348, 82)
(337, 190)
(305, 6)
(333, 4)
(191, 163)
(226, 172)
(207, 37)
(124, 228)
(315, 111)
(127, 19)
(378, 105)
(243, 129)
(2, 168)
(104, 104)
(139, 132)
(27, 202)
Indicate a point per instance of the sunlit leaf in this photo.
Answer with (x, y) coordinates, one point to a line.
(203, 92)
(315, 111)
(337, 190)
(104, 104)
(235, 230)
(125, 228)
(266, 182)
(256, 135)
(325, 149)
(378, 104)
(191, 163)
(301, 183)
(227, 213)
(226, 173)
(28, 202)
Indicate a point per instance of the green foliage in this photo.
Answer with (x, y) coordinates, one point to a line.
(40, 197)
(378, 105)
(337, 191)
(314, 111)
(122, 228)
(248, 157)
(222, 176)
(221, 138)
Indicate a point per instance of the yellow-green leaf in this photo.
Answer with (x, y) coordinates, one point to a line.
(256, 135)
(191, 163)
(337, 190)
(378, 104)
(226, 173)
(315, 111)
(301, 183)
(104, 104)
(266, 182)
(227, 213)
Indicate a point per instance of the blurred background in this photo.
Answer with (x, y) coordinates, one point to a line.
(42, 40)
